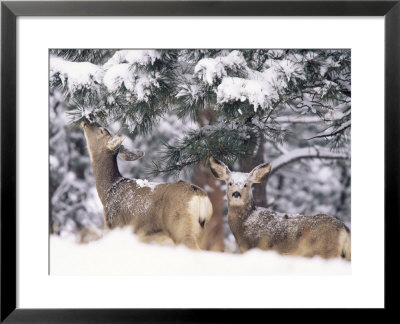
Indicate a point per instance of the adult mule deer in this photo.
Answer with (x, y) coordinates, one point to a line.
(257, 227)
(162, 212)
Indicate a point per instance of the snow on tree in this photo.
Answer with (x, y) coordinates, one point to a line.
(244, 107)
(249, 90)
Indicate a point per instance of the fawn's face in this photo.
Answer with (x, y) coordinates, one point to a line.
(238, 184)
(102, 143)
(238, 189)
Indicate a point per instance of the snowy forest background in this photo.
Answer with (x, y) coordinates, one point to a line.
(245, 107)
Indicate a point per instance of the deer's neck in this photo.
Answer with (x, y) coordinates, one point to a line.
(106, 173)
(237, 215)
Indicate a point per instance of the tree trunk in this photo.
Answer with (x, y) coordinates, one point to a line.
(215, 234)
(259, 189)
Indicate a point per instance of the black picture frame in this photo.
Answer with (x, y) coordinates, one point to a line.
(11, 10)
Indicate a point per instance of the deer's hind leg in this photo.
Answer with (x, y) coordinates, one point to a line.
(159, 238)
(182, 229)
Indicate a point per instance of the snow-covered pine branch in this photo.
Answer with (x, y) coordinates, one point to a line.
(329, 117)
(305, 153)
(298, 119)
(132, 86)
(338, 130)
(114, 74)
(75, 76)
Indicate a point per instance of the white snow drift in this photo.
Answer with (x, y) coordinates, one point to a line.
(119, 252)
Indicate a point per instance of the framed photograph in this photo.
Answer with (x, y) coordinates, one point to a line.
(179, 155)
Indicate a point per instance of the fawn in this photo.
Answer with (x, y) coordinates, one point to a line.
(258, 227)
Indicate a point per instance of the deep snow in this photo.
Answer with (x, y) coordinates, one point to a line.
(119, 252)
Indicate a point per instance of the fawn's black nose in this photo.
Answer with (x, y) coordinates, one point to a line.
(236, 194)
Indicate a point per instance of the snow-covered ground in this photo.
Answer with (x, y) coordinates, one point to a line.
(119, 252)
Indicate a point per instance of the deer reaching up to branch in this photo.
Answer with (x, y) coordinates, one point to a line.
(164, 212)
(257, 227)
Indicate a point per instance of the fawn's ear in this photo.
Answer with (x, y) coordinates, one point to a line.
(115, 142)
(129, 155)
(260, 172)
(219, 169)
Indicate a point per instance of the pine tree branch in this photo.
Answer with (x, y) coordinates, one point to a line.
(299, 119)
(305, 153)
(337, 131)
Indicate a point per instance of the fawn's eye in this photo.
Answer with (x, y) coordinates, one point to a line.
(245, 185)
(230, 183)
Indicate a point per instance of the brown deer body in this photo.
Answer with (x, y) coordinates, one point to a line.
(164, 212)
(257, 227)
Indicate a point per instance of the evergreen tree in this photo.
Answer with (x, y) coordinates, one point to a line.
(256, 95)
